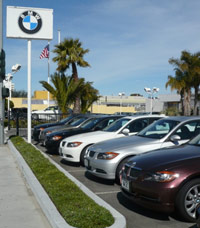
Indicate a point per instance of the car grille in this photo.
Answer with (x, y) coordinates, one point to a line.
(135, 172)
(132, 172)
(91, 153)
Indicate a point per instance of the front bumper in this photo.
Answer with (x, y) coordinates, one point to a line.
(151, 195)
(71, 154)
(105, 169)
(52, 145)
(36, 133)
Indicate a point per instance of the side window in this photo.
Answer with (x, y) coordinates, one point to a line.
(105, 123)
(137, 125)
(188, 130)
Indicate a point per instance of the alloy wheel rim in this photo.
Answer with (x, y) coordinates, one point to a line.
(192, 199)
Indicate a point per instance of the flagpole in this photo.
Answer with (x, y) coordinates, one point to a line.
(48, 71)
(58, 36)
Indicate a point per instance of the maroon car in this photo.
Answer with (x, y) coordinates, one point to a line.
(166, 180)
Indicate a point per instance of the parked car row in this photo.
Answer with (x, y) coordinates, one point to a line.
(155, 158)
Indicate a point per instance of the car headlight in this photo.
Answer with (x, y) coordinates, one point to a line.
(74, 144)
(48, 132)
(162, 176)
(57, 137)
(107, 155)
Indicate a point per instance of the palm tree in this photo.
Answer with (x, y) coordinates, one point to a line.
(70, 53)
(185, 77)
(64, 90)
(88, 95)
(193, 68)
(178, 85)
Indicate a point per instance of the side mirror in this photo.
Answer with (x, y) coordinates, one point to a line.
(175, 138)
(125, 131)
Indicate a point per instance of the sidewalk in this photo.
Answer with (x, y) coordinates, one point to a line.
(18, 206)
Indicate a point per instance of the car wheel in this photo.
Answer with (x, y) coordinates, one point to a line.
(82, 155)
(187, 200)
(35, 116)
(119, 167)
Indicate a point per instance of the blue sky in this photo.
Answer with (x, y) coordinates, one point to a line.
(130, 41)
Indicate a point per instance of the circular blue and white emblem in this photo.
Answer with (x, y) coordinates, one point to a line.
(30, 22)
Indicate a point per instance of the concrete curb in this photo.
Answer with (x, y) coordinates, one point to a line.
(54, 217)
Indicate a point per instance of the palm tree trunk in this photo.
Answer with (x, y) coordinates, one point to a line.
(196, 90)
(77, 103)
(187, 98)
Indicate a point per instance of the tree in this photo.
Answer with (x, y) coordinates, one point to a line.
(64, 90)
(186, 70)
(177, 83)
(88, 95)
(6, 104)
(70, 53)
(19, 93)
(192, 65)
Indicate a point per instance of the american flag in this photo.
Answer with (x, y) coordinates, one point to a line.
(45, 52)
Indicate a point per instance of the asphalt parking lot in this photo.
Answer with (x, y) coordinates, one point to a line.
(136, 216)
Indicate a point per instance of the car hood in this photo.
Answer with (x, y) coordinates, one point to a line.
(58, 128)
(92, 137)
(45, 125)
(167, 158)
(67, 131)
(125, 144)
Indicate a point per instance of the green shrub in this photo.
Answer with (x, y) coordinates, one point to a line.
(75, 206)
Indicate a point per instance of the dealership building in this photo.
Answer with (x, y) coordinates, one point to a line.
(109, 104)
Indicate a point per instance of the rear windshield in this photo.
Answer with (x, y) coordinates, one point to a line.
(66, 119)
(77, 120)
(90, 123)
(159, 129)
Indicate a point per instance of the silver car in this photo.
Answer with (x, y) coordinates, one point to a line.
(105, 159)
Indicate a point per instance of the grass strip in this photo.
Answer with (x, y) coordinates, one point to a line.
(75, 206)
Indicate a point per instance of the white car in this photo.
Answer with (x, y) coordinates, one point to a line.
(49, 113)
(73, 148)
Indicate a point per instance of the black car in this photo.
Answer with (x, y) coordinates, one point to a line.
(37, 129)
(73, 123)
(94, 123)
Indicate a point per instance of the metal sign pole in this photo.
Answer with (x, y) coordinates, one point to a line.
(2, 100)
(48, 73)
(29, 92)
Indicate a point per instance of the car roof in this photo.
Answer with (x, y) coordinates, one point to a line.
(183, 118)
(143, 116)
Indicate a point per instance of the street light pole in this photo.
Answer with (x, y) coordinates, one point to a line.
(9, 76)
(151, 92)
(121, 94)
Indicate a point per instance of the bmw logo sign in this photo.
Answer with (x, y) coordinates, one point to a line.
(30, 22)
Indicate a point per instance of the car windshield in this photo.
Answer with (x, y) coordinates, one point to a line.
(90, 123)
(158, 129)
(115, 126)
(77, 120)
(195, 141)
(66, 119)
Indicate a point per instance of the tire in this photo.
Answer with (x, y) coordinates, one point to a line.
(35, 116)
(187, 199)
(119, 167)
(82, 155)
